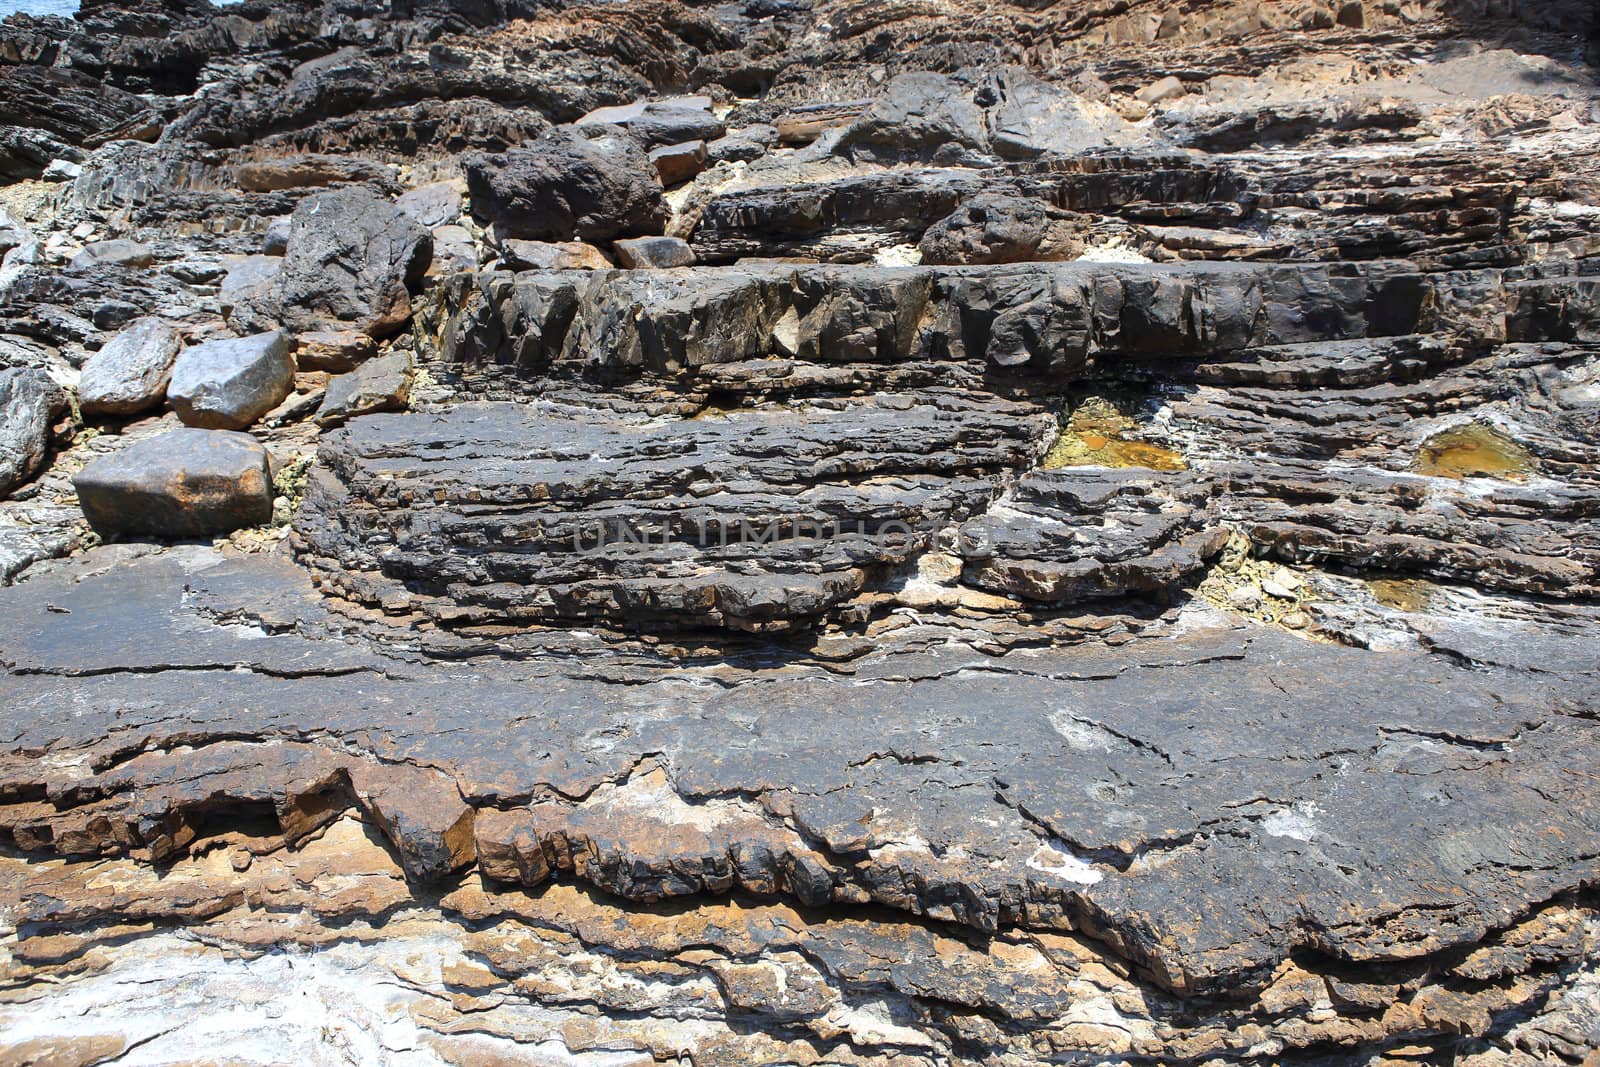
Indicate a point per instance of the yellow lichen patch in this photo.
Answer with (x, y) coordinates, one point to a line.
(1258, 589)
(1096, 434)
(1402, 594)
(1473, 451)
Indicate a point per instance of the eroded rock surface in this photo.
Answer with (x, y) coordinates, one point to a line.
(800, 533)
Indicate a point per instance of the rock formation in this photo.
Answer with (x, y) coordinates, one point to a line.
(800, 532)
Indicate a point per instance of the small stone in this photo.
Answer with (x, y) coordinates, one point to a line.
(30, 402)
(131, 372)
(114, 253)
(1276, 589)
(1245, 598)
(275, 241)
(230, 383)
(733, 150)
(1168, 88)
(112, 314)
(654, 252)
(1288, 579)
(335, 351)
(185, 483)
(1296, 620)
(544, 255)
(679, 163)
(240, 860)
(382, 384)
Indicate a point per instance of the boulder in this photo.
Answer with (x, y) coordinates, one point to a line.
(382, 384)
(30, 401)
(919, 114)
(131, 372)
(544, 255)
(678, 163)
(230, 383)
(564, 186)
(353, 258)
(114, 253)
(1168, 88)
(734, 149)
(654, 252)
(680, 118)
(337, 351)
(436, 204)
(185, 483)
(988, 228)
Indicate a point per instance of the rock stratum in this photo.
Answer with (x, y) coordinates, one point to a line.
(800, 532)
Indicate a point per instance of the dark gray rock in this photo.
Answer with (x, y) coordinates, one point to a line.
(654, 252)
(130, 373)
(230, 383)
(275, 241)
(185, 483)
(382, 384)
(653, 122)
(353, 260)
(988, 228)
(564, 186)
(548, 255)
(759, 521)
(734, 149)
(30, 403)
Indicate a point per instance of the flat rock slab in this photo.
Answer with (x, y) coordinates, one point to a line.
(1203, 805)
(186, 483)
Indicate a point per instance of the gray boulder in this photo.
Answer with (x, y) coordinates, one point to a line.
(989, 228)
(382, 384)
(115, 253)
(230, 383)
(131, 372)
(679, 118)
(565, 186)
(30, 401)
(353, 258)
(654, 252)
(186, 483)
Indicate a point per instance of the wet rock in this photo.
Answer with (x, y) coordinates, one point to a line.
(131, 372)
(564, 186)
(353, 259)
(382, 384)
(30, 402)
(230, 383)
(184, 483)
(654, 252)
(119, 252)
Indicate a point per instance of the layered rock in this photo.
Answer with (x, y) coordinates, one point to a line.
(1012, 533)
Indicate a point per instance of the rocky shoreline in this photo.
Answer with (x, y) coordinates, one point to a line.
(800, 532)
